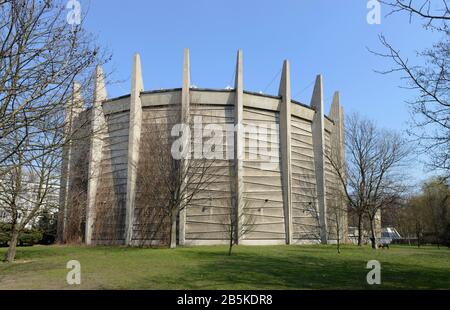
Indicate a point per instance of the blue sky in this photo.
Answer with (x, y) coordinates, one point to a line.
(317, 36)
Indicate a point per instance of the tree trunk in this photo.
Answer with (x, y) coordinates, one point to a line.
(373, 240)
(11, 253)
(338, 245)
(232, 228)
(173, 232)
(418, 234)
(436, 234)
(338, 233)
(359, 229)
(230, 247)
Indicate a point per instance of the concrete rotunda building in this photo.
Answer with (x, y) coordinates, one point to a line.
(100, 171)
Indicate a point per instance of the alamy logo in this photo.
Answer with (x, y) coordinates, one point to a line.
(374, 14)
(74, 16)
(216, 141)
(374, 275)
(74, 275)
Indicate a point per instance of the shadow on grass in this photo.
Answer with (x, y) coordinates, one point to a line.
(300, 269)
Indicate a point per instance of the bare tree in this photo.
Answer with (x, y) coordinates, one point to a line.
(154, 202)
(371, 177)
(28, 187)
(436, 197)
(336, 210)
(311, 209)
(430, 80)
(309, 224)
(336, 215)
(168, 183)
(430, 10)
(237, 225)
(426, 214)
(41, 55)
(413, 219)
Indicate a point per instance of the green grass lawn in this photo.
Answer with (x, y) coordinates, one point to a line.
(264, 267)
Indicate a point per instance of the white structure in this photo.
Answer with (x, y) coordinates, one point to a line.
(26, 201)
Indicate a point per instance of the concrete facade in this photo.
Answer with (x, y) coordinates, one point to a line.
(284, 190)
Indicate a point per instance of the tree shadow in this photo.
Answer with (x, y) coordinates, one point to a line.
(301, 269)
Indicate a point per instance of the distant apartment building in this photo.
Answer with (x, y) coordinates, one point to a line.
(27, 199)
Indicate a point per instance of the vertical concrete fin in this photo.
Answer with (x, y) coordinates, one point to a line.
(317, 96)
(342, 134)
(285, 83)
(318, 133)
(98, 128)
(336, 114)
(73, 109)
(185, 118)
(285, 140)
(338, 154)
(343, 160)
(342, 139)
(334, 108)
(337, 134)
(185, 99)
(238, 189)
(137, 82)
(134, 138)
(63, 188)
(77, 104)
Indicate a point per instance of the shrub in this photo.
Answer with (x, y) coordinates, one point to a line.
(27, 238)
